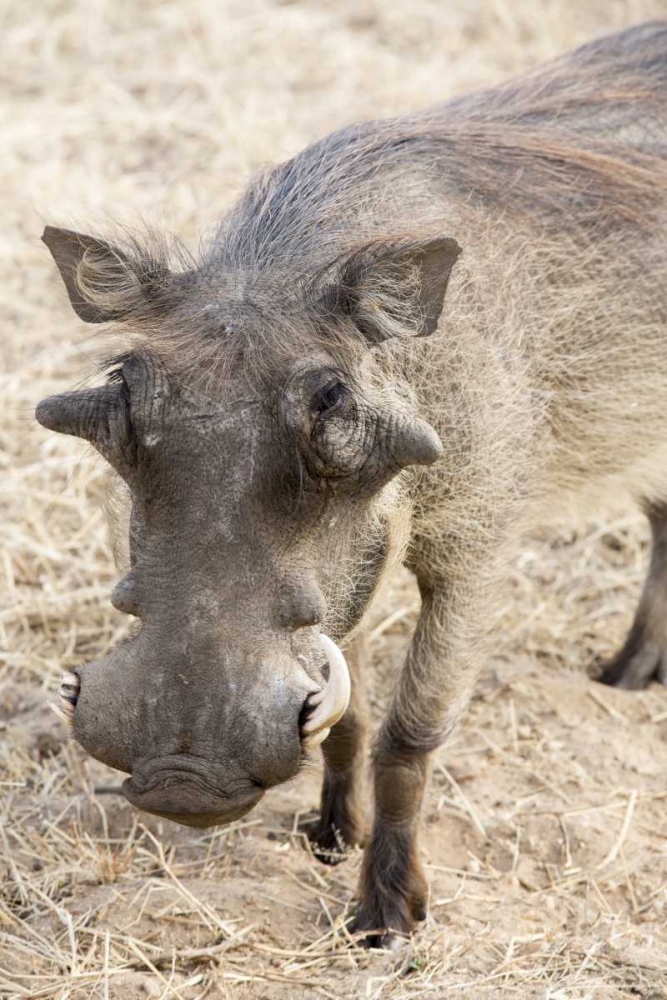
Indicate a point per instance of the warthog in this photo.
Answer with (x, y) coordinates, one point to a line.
(293, 418)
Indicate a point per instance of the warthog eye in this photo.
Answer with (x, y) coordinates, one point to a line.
(330, 398)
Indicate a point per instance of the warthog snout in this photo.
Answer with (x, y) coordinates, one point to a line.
(192, 757)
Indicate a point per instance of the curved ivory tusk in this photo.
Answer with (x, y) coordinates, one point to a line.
(67, 697)
(331, 702)
(61, 713)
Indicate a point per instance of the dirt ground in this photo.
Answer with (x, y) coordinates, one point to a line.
(545, 835)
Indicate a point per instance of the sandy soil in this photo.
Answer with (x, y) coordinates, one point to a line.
(546, 828)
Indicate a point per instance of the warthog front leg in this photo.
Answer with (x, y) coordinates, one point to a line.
(341, 823)
(643, 657)
(432, 693)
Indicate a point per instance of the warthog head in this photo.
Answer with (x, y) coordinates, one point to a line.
(258, 438)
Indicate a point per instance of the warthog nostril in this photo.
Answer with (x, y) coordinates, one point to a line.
(68, 695)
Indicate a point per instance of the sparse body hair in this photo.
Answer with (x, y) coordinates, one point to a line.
(436, 441)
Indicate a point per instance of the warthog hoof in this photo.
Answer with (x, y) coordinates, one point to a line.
(387, 914)
(328, 843)
(638, 663)
(339, 826)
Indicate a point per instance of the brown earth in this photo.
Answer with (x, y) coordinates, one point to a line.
(546, 829)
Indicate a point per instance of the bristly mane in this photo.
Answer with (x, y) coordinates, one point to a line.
(573, 153)
(566, 141)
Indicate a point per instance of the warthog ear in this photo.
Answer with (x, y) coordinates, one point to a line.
(102, 282)
(393, 289)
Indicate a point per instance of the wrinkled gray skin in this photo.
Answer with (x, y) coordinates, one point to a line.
(212, 686)
(286, 394)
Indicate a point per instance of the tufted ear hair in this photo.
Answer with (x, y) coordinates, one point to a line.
(103, 282)
(394, 288)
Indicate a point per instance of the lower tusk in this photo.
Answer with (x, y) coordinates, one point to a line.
(314, 740)
(67, 697)
(64, 715)
(330, 704)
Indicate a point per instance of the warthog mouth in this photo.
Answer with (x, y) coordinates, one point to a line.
(179, 789)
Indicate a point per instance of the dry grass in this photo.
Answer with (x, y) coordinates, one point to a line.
(547, 819)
